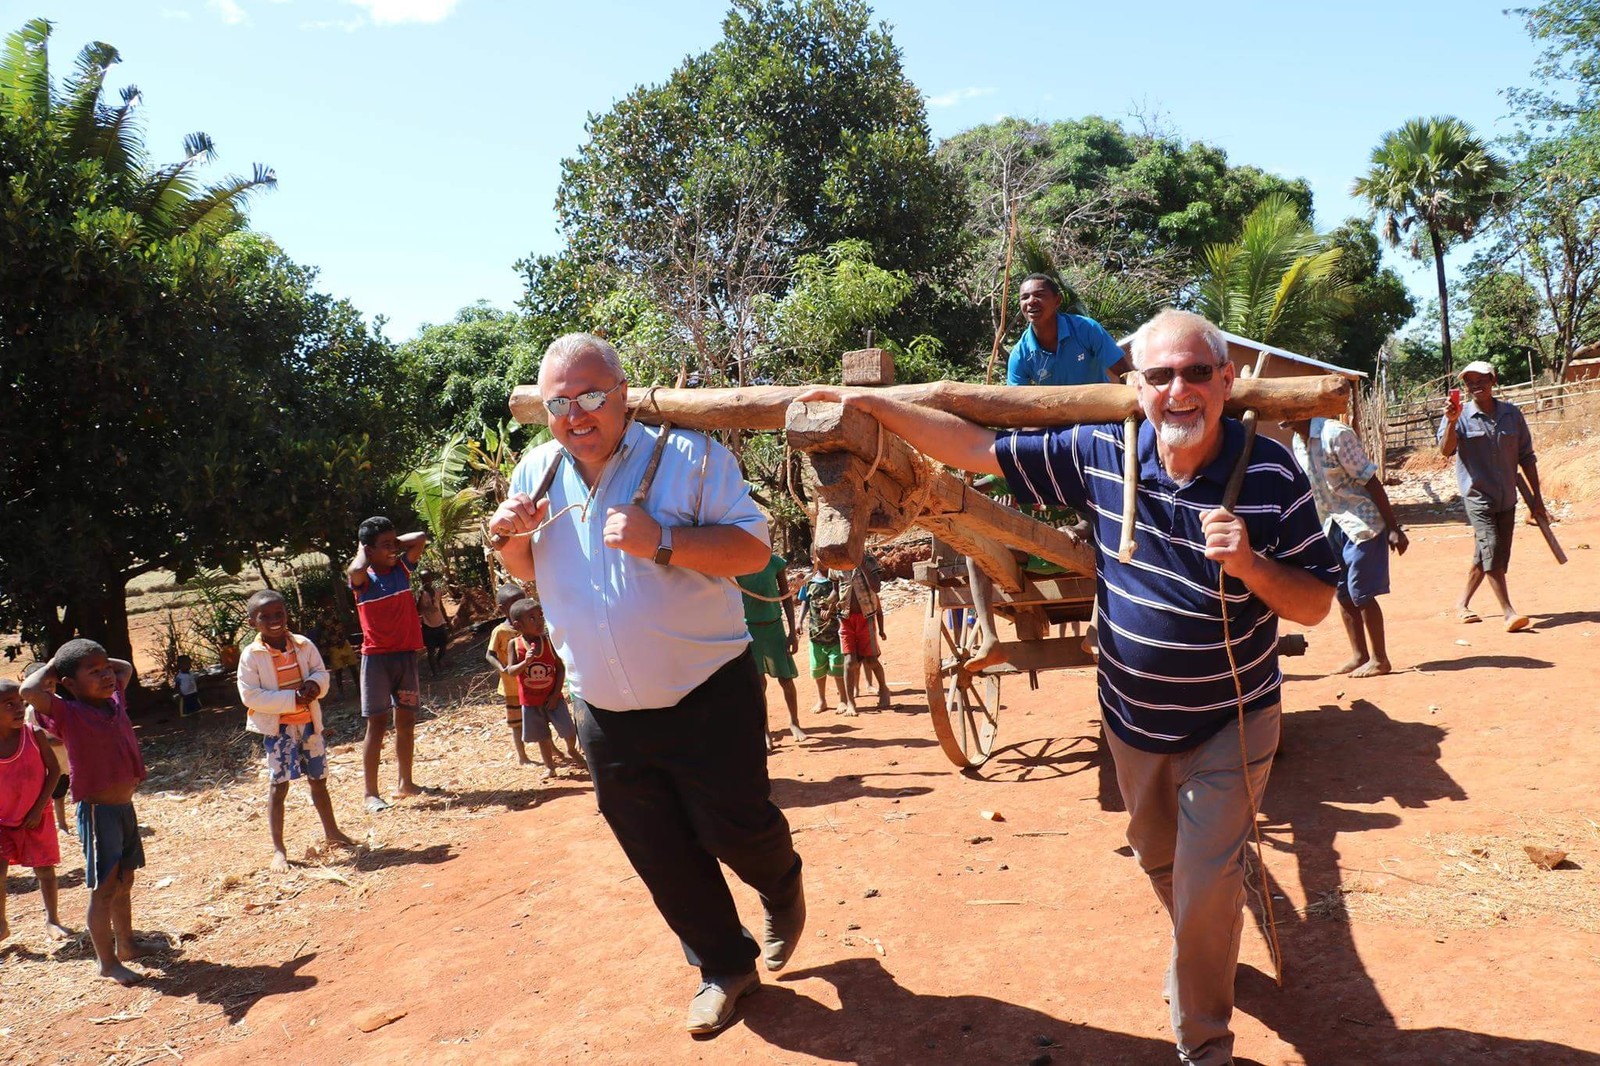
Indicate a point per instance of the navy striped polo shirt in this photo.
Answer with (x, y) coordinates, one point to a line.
(1165, 682)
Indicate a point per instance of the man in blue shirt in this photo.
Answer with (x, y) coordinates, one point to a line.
(1490, 440)
(1185, 668)
(671, 709)
(1057, 348)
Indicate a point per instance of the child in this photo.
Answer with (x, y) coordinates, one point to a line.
(498, 655)
(860, 614)
(435, 621)
(188, 688)
(819, 602)
(107, 766)
(380, 577)
(341, 656)
(773, 636)
(28, 776)
(65, 781)
(540, 675)
(281, 683)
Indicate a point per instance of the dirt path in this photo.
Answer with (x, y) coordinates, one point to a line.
(1414, 928)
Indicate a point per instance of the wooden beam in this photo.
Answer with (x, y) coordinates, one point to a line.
(965, 517)
(757, 407)
(1050, 653)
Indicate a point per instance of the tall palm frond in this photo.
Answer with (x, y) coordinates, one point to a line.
(25, 70)
(1277, 283)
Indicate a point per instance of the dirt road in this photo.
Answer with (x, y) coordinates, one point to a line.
(1415, 930)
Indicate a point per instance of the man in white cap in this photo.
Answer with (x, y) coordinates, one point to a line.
(1490, 440)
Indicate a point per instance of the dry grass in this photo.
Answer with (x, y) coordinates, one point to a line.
(226, 923)
(1484, 881)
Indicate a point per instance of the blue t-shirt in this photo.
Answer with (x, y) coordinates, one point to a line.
(1164, 678)
(1084, 355)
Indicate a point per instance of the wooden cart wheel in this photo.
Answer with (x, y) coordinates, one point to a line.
(965, 707)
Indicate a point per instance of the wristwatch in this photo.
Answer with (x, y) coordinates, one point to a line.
(664, 549)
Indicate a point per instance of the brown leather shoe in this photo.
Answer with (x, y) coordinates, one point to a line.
(715, 1004)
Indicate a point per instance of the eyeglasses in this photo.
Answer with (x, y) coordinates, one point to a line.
(591, 401)
(1194, 374)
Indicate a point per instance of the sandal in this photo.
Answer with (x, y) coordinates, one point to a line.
(1467, 617)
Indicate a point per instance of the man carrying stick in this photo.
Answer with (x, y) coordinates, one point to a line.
(1490, 440)
(1186, 678)
(670, 707)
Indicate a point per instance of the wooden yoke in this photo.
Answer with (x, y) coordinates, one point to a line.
(844, 445)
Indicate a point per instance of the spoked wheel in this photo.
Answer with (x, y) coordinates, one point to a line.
(965, 707)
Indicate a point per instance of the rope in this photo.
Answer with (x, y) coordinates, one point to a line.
(1255, 807)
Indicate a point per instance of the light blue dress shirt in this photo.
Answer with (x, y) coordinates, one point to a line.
(634, 634)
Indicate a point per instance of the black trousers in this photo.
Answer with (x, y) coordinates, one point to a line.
(685, 786)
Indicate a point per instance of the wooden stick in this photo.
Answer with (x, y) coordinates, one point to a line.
(758, 407)
(1542, 519)
(1130, 485)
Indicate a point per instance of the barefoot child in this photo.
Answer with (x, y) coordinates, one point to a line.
(380, 577)
(498, 655)
(435, 620)
(92, 721)
(820, 604)
(773, 636)
(28, 776)
(188, 688)
(540, 675)
(281, 682)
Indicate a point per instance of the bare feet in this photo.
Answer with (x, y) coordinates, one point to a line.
(883, 701)
(819, 708)
(280, 863)
(139, 948)
(56, 931)
(1373, 668)
(410, 788)
(121, 975)
(339, 840)
(988, 654)
(1355, 662)
(847, 710)
(523, 760)
(798, 733)
(5, 928)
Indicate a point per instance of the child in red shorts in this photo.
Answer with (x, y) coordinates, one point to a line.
(28, 776)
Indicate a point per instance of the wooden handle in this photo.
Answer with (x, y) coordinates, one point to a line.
(1230, 495)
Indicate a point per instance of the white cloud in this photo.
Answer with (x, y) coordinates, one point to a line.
(957, 96)
(230, 11)
(395, 12)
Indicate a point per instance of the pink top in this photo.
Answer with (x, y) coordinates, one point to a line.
(21, 778)
(101, 747)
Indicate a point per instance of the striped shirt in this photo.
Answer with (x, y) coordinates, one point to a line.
(388, 611)
(1164, 678)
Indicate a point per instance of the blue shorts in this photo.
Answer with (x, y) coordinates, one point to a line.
(294, 753)
(1366, 566)
(189, 703)
(389, 680)
(536, 721)
(109, 833)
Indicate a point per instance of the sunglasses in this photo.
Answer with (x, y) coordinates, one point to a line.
(591, 401)
(1194, 374)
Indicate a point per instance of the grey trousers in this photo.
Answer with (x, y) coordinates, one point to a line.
(1189, 821)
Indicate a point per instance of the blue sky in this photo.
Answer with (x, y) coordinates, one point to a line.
(418, 143)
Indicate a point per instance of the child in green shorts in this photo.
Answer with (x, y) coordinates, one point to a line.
(819, 609)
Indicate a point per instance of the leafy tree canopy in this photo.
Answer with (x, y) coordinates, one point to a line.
(465, 369)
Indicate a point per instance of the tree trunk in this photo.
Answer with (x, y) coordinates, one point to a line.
(1444, 302)
(104, 620)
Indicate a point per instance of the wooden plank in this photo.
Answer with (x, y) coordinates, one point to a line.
(1052, 653)
(992, 557)
(758, 407)
(1543, 520)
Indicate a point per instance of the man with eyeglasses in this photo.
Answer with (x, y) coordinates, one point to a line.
(671, 709)
(1167, 673)
(1490, 440)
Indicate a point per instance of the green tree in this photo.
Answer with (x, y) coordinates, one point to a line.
(1505, 325)
(464, 369)
(178, 395)
(1379, 301)
(1278, 282)
(1435, 179)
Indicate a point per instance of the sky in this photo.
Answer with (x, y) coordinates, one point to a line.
(418, 143)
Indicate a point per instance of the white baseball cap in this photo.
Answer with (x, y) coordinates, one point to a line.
(1478, 367)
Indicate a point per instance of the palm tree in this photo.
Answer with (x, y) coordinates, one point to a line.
(1278, 283)
(1433, 176)
(168, 200)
